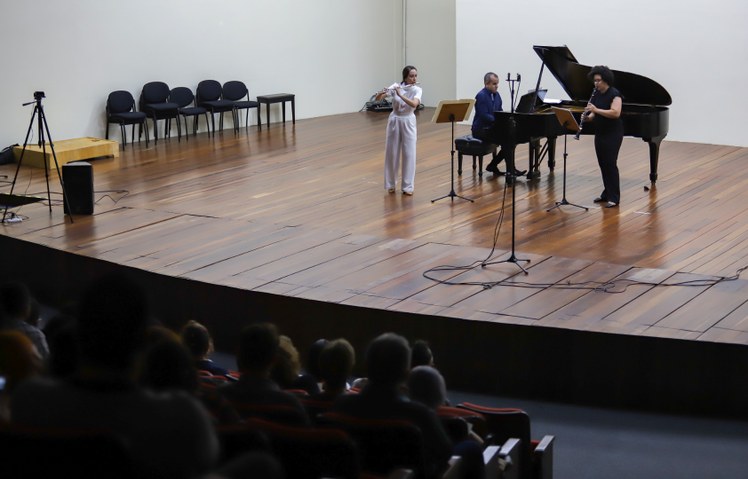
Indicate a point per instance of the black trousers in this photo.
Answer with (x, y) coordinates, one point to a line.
(483, 136)
(607, 146)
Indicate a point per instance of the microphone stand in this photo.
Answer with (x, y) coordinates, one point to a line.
(511, 181)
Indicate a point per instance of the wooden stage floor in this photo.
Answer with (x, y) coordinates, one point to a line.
(299, 211)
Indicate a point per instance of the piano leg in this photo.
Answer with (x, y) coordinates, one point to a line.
(551, 142)
(654, 156)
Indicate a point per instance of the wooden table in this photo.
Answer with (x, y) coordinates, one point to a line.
(276, 98)
(66, 151)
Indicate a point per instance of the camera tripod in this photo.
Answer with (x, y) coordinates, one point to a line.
(42, 127)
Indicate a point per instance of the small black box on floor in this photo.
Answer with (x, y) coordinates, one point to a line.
(77, 177)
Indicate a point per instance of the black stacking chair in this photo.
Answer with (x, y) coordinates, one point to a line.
(237, 91)
(154, 102)
(209, 97)
(184, 98)
(120, 109)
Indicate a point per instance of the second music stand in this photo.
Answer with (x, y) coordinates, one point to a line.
(452, 111)
(568, 121)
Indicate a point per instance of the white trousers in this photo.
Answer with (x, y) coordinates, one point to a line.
(401, 138)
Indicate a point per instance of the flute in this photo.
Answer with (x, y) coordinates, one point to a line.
(584, 116)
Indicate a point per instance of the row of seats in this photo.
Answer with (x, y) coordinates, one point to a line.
(159, 102)
(505, 432)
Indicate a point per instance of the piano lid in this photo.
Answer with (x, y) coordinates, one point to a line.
(636, 89)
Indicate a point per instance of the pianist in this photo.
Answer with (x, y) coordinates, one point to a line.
(487, 101)
(604, 109)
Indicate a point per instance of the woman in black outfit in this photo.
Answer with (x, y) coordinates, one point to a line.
(604, 109)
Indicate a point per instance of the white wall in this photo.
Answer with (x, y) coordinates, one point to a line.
(430, 46)
(697, 50)
(333, 54)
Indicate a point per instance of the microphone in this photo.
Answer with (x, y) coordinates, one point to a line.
(519, 77)
(508, 77)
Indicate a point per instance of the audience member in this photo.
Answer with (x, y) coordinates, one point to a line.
(388, 364)
(197, 339)
(309, 379)
(426, 385)
(421, 354)
(170, 435)
(15, 300)
(19, 360)
(287, 366)
(167, 365)
(335, 368)
(63, 349)
(258, 350)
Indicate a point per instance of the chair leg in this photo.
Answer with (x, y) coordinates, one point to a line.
(459, 163)
(123, 132)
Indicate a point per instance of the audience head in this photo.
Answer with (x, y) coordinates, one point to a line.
(196, 338)
(426, 385)
(421, 354)
(388, 360)
(15, 301)
(287, 365)
(60, 331)
(112, 321)
(312, 357)
(336, 364)
(258, 348)
(168, 365)
(19, 358)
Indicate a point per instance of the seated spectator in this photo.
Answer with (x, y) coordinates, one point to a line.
(16, 302)
(63, 349)
(427, 386)
(287, 366)
(335, 368)
(19, 360)
(421, 354)
(258, 350)
(169, 435)
(309, 378)
(167, 365)
(388, 364)
(197, 339)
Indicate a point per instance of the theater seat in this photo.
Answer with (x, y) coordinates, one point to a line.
(535, 457)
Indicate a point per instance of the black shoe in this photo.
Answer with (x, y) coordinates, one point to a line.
(600, 199)
(519, 172)
(494, 169)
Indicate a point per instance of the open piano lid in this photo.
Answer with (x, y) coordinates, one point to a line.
(635, 89)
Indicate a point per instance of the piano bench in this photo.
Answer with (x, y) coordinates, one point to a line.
(469, 145)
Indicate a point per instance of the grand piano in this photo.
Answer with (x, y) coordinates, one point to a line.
(645, 114)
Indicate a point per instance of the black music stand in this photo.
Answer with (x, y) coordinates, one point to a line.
(568, 121)
(452, 111)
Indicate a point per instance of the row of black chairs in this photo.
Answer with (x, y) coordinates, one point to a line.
(159, 102)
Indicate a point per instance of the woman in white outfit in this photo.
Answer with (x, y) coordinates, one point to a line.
(401, 131)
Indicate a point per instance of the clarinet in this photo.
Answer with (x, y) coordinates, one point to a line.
(584, 116)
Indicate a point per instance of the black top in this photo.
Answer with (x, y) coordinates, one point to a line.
(603, 101)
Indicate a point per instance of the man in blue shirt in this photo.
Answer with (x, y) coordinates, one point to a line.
(488, 101)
